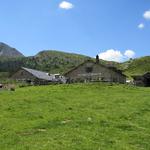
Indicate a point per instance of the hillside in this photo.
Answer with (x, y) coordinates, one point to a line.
(136, 66)
(75, 117)
(56, 61)
(50, 61)
(8, 52)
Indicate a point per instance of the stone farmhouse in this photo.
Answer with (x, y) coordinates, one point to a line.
(91, 71)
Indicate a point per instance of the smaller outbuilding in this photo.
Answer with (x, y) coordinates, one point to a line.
(35, 77)
(142, 80)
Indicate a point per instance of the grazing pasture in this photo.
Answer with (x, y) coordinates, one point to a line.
(75, 117)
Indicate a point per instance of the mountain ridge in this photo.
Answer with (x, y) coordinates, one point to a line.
(8, 51)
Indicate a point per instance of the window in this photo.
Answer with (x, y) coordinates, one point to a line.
(22, 73)
(89, 69)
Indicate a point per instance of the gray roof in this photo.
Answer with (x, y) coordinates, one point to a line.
(39, 74)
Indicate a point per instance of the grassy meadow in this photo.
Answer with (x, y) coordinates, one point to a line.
(75, 117)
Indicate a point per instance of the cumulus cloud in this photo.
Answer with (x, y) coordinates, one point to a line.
(116, 55)
(146, 15)
(141, 26)
(66, 5)
(129, 53)
(111, 55)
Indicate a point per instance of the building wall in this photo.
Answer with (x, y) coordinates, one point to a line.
(142, 81)
(139, 83)
(23, 75)
(94, 72)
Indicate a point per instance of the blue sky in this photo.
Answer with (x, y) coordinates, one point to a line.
(89, 27)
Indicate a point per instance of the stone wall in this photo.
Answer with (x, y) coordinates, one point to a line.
(90, 71)
(23, 75)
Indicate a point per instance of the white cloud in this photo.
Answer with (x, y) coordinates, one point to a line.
(116, 55)
(111, 55)
(147, 15)
(141, 26)
(66, 5)
(129, 53)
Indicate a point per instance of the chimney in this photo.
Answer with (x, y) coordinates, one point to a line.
(97, 59)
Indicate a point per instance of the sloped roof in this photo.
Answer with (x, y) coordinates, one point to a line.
(39, 74)
(109, 67)
(145, 75)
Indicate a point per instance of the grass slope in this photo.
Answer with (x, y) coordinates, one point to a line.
(75, 117)
(137, 66)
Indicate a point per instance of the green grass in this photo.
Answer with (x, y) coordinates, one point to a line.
(137, 66)
(75, 117)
